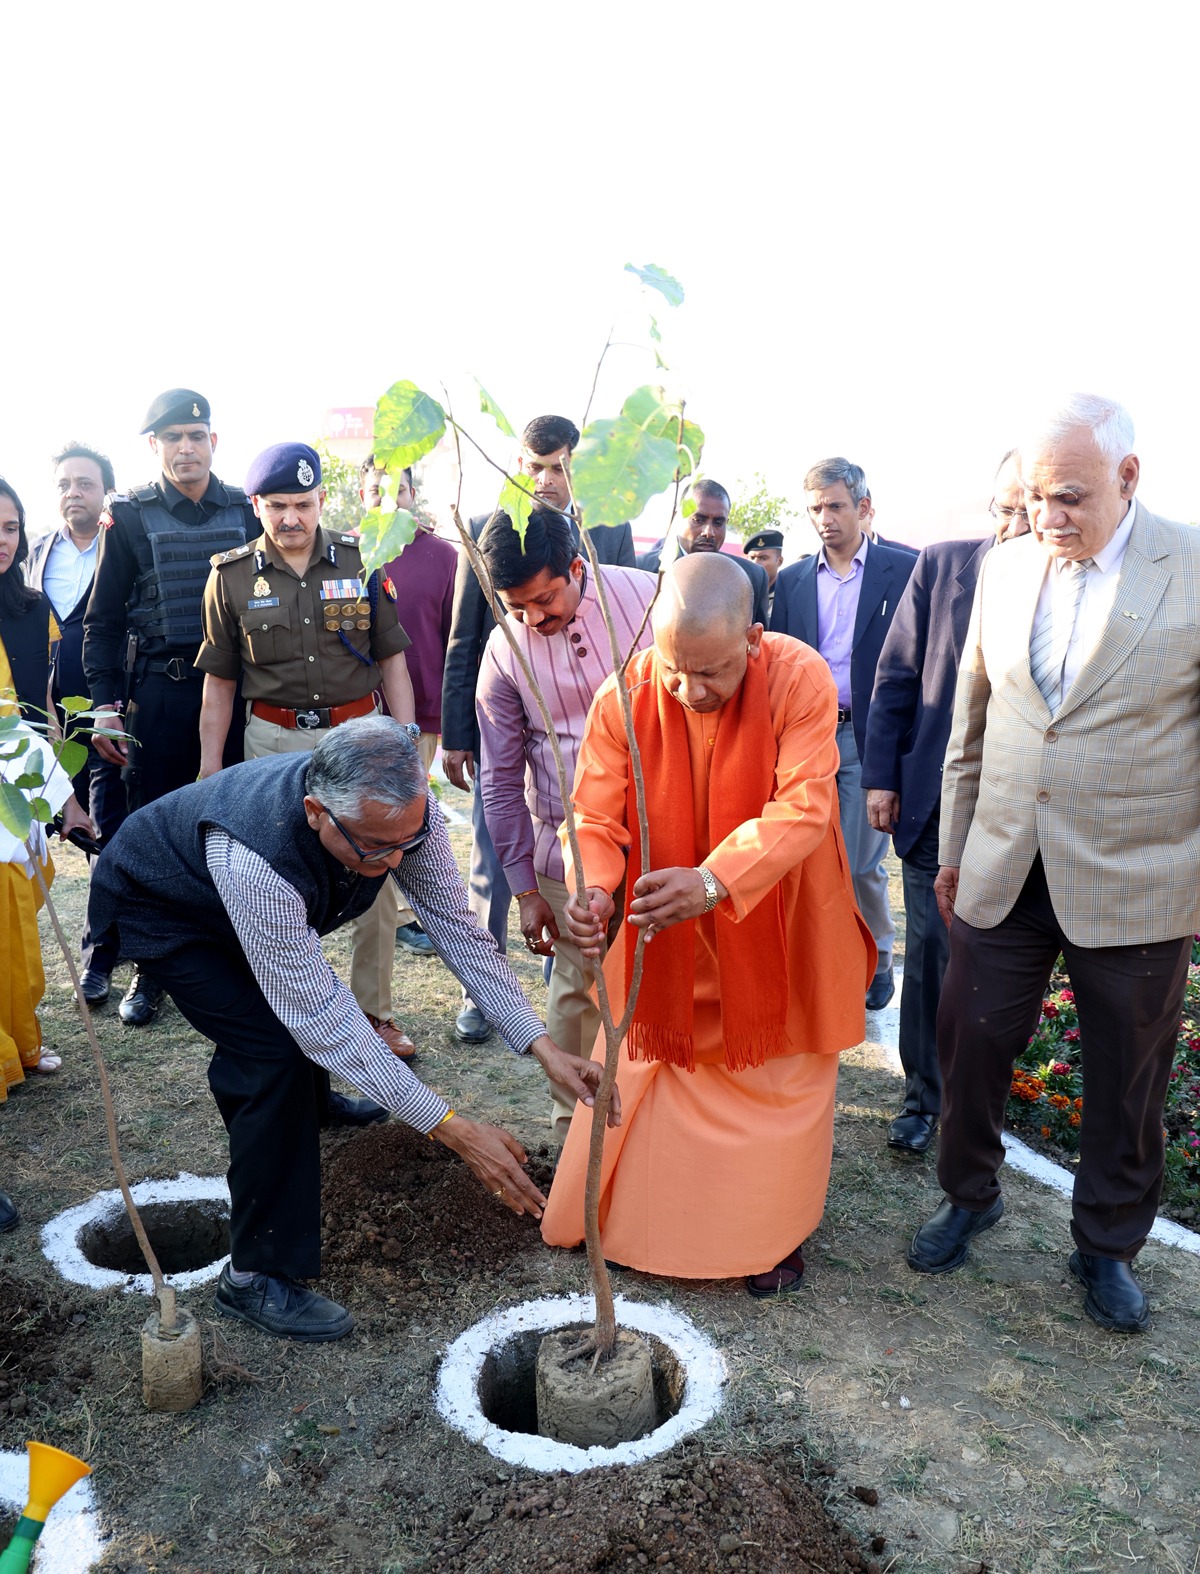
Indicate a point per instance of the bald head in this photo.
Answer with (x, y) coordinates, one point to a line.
(702, 593)
(703, 634)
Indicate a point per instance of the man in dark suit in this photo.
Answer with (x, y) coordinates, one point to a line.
(547, 444)
(842, 601)
(908, 727)
(704, 531)
(62, 565)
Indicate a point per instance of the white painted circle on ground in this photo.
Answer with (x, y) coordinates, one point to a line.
(60, 1237)
(457, 1393)
(71, 1542)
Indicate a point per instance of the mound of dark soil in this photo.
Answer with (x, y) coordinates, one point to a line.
(40, 1344)
(393, 1200)
(679, 1515)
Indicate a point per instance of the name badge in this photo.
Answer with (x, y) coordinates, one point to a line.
(263, 601)
(341, 589)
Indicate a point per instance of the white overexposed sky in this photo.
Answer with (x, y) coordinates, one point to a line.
(899, 227)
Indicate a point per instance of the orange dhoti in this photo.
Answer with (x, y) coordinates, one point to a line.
(712, 1173)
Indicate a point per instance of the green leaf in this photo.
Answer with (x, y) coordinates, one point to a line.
(516, 500)
(618, 467)
(408, 423)
(31, 779)
(489, 407)
(688, 507)
(14, 750)
(651, 408)
(72, 756)
(75, 704)
(15, 814)
(656, 278)
(385, 534)
(41, 810)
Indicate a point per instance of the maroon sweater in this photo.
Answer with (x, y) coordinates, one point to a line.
(423, 575)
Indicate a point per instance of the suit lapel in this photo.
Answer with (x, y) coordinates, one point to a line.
(1021, 570)
(876, 580)
(1142, 586)
(963, 598)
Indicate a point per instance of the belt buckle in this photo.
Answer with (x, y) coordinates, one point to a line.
(175, 669)
(307, 720)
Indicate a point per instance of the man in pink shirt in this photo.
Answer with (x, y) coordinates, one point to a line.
(555, 614)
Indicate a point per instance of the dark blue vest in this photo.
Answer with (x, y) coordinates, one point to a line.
(153, 883)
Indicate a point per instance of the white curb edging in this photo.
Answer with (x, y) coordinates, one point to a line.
(71, 1542)
(60, 1237)
(457, 1394)
(1019, 1154)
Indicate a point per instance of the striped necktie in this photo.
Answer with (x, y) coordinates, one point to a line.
(1052, 633)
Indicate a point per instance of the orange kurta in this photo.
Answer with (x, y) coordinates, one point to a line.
(716, 1173)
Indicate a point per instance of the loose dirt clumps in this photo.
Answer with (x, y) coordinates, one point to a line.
(43, 1353)
(685, 1515)
(392, 1199)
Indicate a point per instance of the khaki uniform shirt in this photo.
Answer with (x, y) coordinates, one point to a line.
(286, 634)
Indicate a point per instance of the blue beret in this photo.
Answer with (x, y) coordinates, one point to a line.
(176, 405)
(284, 467)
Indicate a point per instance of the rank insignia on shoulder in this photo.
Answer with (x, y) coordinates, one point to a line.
(389, 588)
(219, 559)
(349, 541)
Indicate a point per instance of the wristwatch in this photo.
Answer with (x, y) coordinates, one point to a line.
(413, 730)
(711, 895)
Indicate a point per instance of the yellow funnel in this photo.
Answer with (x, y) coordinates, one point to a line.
(51, 1474)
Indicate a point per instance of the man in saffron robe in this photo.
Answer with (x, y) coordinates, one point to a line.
(756, 962)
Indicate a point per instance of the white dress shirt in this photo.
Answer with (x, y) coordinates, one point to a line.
(68, 571)
(1099, 593)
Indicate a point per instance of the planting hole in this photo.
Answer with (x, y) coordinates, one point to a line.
(508, 1380)
(185, 1236)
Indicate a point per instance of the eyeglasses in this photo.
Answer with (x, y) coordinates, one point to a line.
(1007, 514)
(378, 854)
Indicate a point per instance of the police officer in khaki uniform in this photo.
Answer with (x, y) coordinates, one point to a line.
(291, 615)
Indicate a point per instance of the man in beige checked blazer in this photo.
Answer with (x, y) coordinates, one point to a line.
(1071, 822)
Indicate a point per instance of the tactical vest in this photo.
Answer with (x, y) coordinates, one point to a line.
(167, 599)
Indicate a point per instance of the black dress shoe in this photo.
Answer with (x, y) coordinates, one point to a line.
(1114, 1297)
(343, 1111)
(472, 1026)
(142, 1002)
(9, 1217)
(283, 1307)
(95, 985)
(883, 987)
(940, 1245)
(912, 1132)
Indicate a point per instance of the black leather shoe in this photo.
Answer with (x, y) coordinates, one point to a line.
(142, 1002)
(9, 1217)
(472, 1026)
(883, 987)
(343, 1111)
(1114, 1297)
(912, 1132)
(940, 1245)
(283, 1307)
(95, 985)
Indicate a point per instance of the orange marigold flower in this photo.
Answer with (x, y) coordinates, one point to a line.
(1075, 1118)
(1045, 1131)
(1059, 1101)
(1078, 1103)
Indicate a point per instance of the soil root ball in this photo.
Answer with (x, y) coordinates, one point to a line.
(615, 1404)
(172, 1367)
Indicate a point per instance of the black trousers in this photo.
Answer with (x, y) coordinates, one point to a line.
(272, 1099)
(100, 791)
(926, 952)
(163, 720)
(1129, 999)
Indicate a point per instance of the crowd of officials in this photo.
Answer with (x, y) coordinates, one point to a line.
(1019, 716)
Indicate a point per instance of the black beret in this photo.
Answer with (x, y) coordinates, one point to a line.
(284, 467)
(764, 540)
(177, 404)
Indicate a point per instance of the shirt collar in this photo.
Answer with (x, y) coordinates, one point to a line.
(1110, 556)
(215, 495)
(319, 553)
(859, 557)
(63, 533)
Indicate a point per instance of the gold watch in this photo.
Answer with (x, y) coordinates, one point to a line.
(711, 894)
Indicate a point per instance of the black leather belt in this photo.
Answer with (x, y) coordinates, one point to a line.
(177, 668)
(843, 715)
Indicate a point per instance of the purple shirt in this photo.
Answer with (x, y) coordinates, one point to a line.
(837, 608)
(423, 575)
(517, 777)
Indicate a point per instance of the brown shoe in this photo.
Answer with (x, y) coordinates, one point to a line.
(395, 1038)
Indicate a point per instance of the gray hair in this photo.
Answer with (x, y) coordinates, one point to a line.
(830, 471)
(369, 760)
(1110, 424)
(1010, 454)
